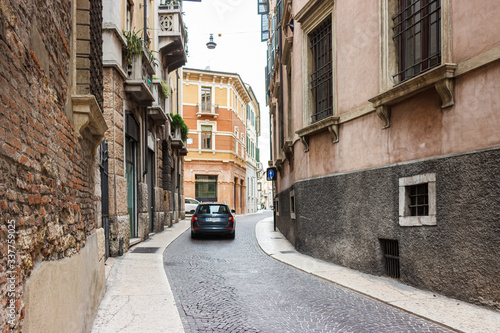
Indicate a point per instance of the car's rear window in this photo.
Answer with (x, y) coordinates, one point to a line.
(213, 209)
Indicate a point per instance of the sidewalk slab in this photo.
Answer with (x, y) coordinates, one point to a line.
(138, 296)
(449, 312)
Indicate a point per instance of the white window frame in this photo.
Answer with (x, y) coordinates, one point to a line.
(405, 220)
(214, 130)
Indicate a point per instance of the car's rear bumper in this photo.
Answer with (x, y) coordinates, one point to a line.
(207, 230)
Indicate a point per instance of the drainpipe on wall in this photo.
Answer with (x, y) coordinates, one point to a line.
(146, 20)
(145, 141)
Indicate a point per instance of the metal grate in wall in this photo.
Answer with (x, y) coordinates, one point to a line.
(390, 249)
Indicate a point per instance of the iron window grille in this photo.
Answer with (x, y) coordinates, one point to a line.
(417, 34)
(390, 250)
(419, 200)
(321, 76)
(89, 51)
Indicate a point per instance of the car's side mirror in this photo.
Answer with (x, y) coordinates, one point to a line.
(233, 211)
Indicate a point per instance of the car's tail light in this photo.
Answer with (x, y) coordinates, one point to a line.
(231, 218)
(194, 218)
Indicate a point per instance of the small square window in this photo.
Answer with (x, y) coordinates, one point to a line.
(417, 200)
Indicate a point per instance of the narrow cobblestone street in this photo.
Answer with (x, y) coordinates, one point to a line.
(222, 285)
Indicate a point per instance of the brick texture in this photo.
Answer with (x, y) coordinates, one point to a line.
(46, 171)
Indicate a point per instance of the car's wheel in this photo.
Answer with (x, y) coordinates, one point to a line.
(231, 236)
(193, 235)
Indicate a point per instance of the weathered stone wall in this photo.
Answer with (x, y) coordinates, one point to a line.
(341, 218)
(114, 95)
(46, 170)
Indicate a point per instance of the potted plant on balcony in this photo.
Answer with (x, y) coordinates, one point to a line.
(134, 44)
(178, 124)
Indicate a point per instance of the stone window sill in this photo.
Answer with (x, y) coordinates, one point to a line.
(440, 77)
(330, 123)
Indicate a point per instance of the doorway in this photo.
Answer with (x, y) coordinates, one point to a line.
(150, 179)
(206, 188)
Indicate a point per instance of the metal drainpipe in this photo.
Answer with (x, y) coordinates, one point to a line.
(145, 141)
(145, 20)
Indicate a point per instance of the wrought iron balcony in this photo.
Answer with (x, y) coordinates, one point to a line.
(207, 110)
(172, 35)
(139, 82)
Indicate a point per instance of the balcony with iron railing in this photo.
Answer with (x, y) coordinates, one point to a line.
(207, 110)
(139, 82)
(172, 34)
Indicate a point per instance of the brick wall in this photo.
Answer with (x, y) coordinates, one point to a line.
(46, 171)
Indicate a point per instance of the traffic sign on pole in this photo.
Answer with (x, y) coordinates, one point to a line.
(271, 173)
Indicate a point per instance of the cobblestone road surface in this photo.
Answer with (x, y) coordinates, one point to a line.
(223, 285)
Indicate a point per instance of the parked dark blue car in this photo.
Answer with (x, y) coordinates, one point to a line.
(213, 218)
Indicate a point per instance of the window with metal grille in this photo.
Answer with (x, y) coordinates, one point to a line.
(419, 199)
(417, 34)
(390, 249)
(89, 77)
(96, 76)
(321, 75)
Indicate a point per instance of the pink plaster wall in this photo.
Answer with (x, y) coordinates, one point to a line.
(420, 128)
(475, 27)
(474, 121)
(357, 43)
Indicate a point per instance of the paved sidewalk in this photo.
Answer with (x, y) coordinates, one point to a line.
(455, 314)
(138, 297)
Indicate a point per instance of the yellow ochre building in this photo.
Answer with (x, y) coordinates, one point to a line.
(216, 106)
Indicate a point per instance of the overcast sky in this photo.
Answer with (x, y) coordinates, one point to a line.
(239, 49)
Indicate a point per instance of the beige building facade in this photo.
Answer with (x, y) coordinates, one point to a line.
(144, 49)
(384, 122)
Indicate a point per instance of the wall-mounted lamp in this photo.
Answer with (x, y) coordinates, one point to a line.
(211, 44)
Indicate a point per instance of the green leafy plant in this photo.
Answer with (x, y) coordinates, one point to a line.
(134, 44)
(165, 89)
(178, 122)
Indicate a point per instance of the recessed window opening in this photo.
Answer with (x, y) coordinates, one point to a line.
(321, 75)
(206, 99)
(419, 200)
(417, 34)
(206, 137)
(390, 250)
